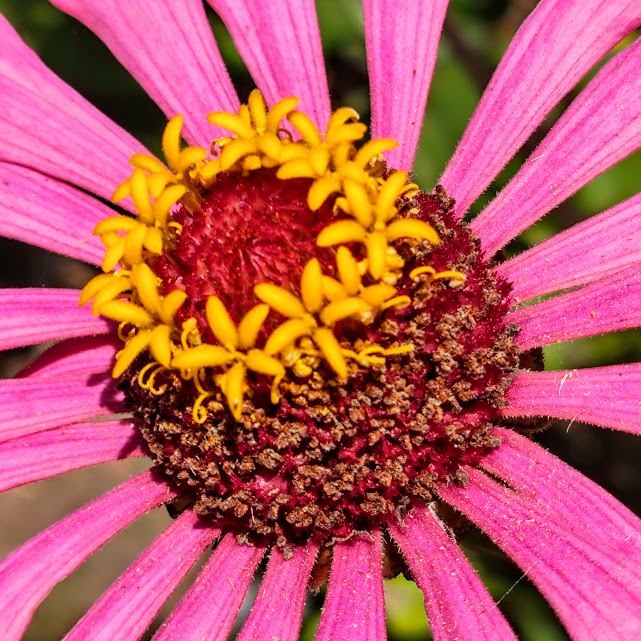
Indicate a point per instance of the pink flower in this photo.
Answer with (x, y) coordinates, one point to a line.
(576, 543)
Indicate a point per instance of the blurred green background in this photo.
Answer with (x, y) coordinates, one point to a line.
(475, 36)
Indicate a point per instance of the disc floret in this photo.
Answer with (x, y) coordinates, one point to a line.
(285, 332)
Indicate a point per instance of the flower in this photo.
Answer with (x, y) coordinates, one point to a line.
(577, 544)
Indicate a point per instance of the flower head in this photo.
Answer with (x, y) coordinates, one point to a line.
(323, 362)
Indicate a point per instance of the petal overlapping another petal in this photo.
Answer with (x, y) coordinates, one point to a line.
(46, 454)
(146, 584)
(280, 43)
(211, 605)
(29, 405)
(76, 356)
(601, 127)
(594, 588)
(402, 40)
(607, 305)
(277, 612)
(51, 128)
(606, 396)
(354, 608)
(458, 604)
(27, 575)
(51, 214)
(597, 247)
(558, 43)
(31, 315)
(168, 47)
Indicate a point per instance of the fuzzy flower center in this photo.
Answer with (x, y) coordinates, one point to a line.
(310, 343)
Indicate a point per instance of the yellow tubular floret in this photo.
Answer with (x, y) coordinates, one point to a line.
(251, 324)
(376, 295)
(128, 354)
(126, 312)
(348, 270)
(201, 356)
(94, 286)
(232, 122)
(160, 344)
(167, 199)
(320, 190)
(221, 323)
(260, 362)
(411, 228)
(146, 283)
(285, 334)
(115, 223)
(376, 245)
(305, 127)
(110, 291)
(147, 163)
(341, 232)
(331, 350)
(358, 202)
(278, 112)
(280, 300)
(170, 305)
(257, 110)
(235, 388)
(389, 192)
(341, 309)
(311, 286)
(332, 289)
(140, 196)
(370, 150)
(171, 141)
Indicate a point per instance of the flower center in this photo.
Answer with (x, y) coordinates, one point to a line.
(310, 343)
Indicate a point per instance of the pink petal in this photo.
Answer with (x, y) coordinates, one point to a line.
(606, 396)
(51, 128)
(607, 305)
(129, 606)
(91, 355)
(27, 575)
(597, 247)
(553, 49)
(33, 315)
(29, 405)
(278, 609)
(354, 608)
(209, 609)
(539, 475)
(601, 127)
(281, 46)
(45, 454)
(41, 211)
(595, 588)
(168, 47)
(458, 604)
(402, 39)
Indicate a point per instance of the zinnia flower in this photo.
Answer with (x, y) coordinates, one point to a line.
(326, 366)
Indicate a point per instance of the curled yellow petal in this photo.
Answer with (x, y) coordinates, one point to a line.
(285, 334)
(201, 356)
(127, 355)
(232, 122)
(349, 132)
(153, 240)
(257, 110)
(306, 127)
(377, 294)
(170, 305)
(160, 344)
(250, 325)
(110, 291)
(133, 243)
(146, 283)
(115, 223)
(341, 232)
(260, 362)
(391, 189)
(341, 309)
(280, 300)
(140, 195)
(278, 112)
(125, 312)
(411, 228)
(376, 245)
(332, 289)
(359, 204)
(220, 322)
(296, 168)
(146, 162)
(341, 116)
(373, 148)
(236, 150)
(93, 287)
(348, 270)
(171, 141)
(320, 191)
(234, 389)
(331, 350)
(188, 157)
